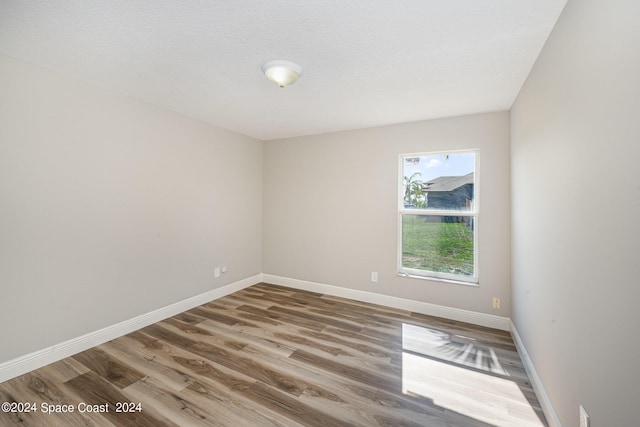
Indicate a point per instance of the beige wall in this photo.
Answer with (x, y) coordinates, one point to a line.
(111, 208)
(576, 198)
(330, 208)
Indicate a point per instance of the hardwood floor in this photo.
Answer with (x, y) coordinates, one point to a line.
(273, 356)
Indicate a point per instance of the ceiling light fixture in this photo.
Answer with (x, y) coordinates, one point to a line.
(282, 73)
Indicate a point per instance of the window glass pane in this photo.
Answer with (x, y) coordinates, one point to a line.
(439, 181)
(436, 243)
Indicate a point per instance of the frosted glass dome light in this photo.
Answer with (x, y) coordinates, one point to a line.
(282, 73)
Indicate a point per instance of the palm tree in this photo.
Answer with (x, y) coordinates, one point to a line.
(410, 184)
(418, 196)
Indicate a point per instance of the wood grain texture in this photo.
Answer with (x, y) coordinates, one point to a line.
(274, 356)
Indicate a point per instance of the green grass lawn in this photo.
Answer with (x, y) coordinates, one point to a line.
(437, 246)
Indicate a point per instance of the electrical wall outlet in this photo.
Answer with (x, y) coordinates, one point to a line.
(496, 302)
(374, 276)
(216, 272)
(584, 417)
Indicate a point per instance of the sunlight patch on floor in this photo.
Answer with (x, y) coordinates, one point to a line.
(462, 377)
(453, 348)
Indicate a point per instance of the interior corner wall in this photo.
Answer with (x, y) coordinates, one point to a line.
(111, 208)
(575, 204)
(330, 208)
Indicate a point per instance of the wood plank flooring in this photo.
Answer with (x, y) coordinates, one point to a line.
(274, 356)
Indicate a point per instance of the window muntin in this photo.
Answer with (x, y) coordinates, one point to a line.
(438, 216)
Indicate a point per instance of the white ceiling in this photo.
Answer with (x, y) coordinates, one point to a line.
(366, 62)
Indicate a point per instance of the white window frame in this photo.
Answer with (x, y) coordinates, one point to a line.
(473, 213)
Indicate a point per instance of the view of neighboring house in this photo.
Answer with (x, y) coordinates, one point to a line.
(449, 192)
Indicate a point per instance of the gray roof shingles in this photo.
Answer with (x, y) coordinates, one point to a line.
(447, 183)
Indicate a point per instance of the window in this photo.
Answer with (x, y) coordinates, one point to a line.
(438, 216)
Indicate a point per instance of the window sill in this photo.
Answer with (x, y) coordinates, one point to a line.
(438, 279)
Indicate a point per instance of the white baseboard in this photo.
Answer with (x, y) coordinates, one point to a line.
(40, 358)
(482, 319)
(543, 397)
